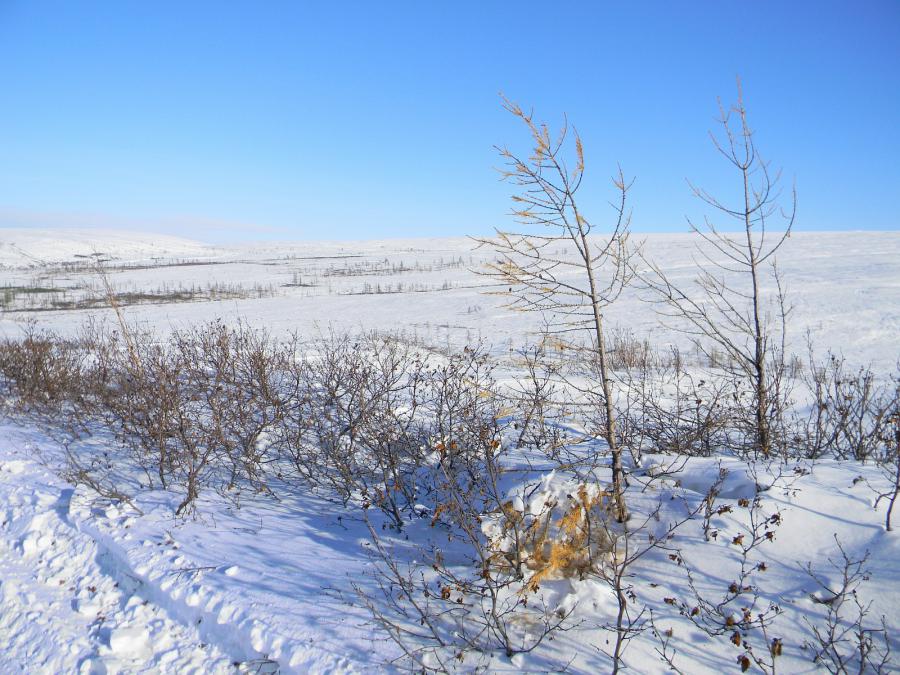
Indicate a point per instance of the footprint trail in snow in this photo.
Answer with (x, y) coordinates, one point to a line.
(66, 606)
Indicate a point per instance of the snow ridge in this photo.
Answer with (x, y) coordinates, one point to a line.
(69, 603)
(91, 587)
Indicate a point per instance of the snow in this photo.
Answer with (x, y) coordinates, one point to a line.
(36, 247)
(844, 287)
(68, 604)
(90, 586)
(148, 593)
(101, 590)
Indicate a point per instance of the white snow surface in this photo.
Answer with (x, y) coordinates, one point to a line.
(843, 287)
(92, 587)
(37, 247)
(69, 601)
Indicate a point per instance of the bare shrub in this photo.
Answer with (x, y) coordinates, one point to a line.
(460, 600)
(847, 642)
(94, 471)
(194, 410)
(137, 390)
(627, 352)
(850, 414)
(237, 374)
(41, 372)
(535, 396)
(350, 424)
(633, 616)
(738, 612)
(737, 322)
(479, 587)
(669, 408)
(890, 466)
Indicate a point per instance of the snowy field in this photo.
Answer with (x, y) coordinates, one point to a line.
(93, 586)
(844, 287)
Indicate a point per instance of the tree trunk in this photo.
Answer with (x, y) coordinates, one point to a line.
(618, 473)
(763, 439)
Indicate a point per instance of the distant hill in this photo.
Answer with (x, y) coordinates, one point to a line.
(32, 247)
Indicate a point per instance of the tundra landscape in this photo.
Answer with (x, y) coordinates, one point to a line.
(449, 338)
(255, 363)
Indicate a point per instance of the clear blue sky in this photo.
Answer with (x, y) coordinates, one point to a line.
(229, 120)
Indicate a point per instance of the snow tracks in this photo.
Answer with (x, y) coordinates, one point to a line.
(68, 604)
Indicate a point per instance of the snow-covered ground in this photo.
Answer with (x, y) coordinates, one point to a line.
(69, 602)
(89, 586)
(844, 287)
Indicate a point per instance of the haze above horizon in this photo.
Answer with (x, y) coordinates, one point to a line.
(233, 121)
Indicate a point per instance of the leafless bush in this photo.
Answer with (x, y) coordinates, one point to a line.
(890, 466)
(627, 352)
(633, 616)
(351, 426)
(41, 373)
(95, 472)
(388, 429)
(237, 375)
(845, 642)
(668, 408)
(443, 617)
(478, 589)
(193, 410)
(142, 395)
(474, 592)
(536, 399)
(850, 415)
(739, 612)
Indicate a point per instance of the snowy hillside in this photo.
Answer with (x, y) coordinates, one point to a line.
(226, 483)
(94, 588)
(36, 247)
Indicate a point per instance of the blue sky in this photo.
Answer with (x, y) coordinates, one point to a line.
(234, 120)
